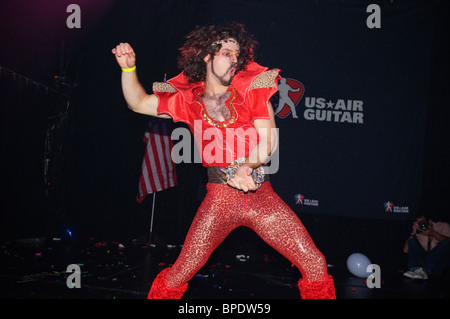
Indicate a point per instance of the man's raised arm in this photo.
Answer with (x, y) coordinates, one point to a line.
(135, 95)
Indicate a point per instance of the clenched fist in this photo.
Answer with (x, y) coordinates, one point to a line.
(125, 56)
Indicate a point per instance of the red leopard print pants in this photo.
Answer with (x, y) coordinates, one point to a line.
(225, 208)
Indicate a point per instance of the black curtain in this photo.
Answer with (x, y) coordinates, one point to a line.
(23, 116)
(97, 143)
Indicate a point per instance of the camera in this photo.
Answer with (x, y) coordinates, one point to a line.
(423, 225)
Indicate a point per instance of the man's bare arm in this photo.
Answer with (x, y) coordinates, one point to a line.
(135, 95)
(260, 154)
(268, 141)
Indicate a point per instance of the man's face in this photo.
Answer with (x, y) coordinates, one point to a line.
(224, 63)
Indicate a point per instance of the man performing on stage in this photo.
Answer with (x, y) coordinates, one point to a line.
(222, 91)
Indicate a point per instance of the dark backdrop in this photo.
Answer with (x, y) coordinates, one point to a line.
(94, 145)
(358, 140)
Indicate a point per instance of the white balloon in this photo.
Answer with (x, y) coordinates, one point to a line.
(357, 264)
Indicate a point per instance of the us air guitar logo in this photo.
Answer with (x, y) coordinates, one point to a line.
(286, 104)
(389, 207)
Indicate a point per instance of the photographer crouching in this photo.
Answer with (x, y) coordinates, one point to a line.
(428, 249)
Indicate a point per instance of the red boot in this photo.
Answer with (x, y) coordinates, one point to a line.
(160, 290)
(317, 289)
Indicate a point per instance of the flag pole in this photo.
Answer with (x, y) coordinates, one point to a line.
(153, 203)
(151, 219)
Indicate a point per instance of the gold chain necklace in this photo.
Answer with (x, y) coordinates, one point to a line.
(230, 107)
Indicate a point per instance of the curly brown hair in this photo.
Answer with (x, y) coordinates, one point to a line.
(199, 44)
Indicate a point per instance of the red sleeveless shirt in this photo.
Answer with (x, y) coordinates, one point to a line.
(220, 143)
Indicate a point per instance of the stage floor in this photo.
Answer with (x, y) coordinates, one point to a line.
(37, 269)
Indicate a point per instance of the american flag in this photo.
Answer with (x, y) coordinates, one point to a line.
(158, 169)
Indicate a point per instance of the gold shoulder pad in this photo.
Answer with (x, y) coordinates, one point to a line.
(265, 80)
(163, 87)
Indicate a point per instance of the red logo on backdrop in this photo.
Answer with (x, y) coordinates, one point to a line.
(388, 206)
(290, 93)
(299, 199)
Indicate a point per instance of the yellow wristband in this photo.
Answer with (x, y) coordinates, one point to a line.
(129, 70)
